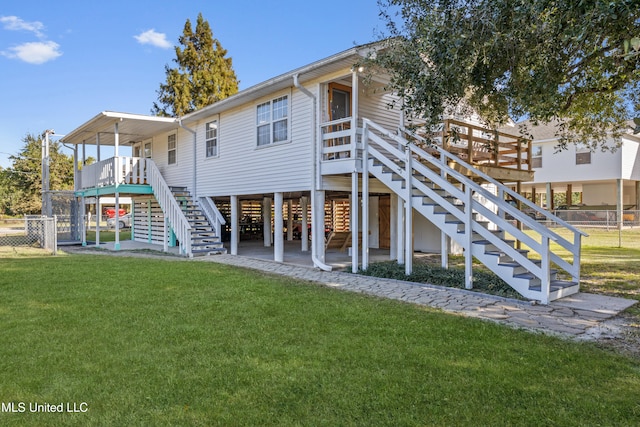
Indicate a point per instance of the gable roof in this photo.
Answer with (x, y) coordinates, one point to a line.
(136, 127)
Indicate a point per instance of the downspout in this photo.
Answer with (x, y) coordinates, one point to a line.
(195, 167)
(314, 171)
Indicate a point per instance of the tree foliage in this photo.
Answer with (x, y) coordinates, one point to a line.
(203, 74)
(21, 183)
(574, 63)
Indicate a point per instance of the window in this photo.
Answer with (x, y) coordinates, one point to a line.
(211, 138)
(147, 150)
(583, 157)
(536, 156)
(272, 119)
(171, 147)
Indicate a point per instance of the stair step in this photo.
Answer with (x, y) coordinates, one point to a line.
(555, 285)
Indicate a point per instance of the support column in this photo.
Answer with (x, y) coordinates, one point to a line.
(393, 226)
(569, 195)
(444, 250)
(304, 232)
(266, 216)
(549, 197)
(353, 222)
(116, 244)
(317, 224)
(408, 216)
(278, 238)
(365, 212)
(401, 233)
(289, 221)
(85, 222)
(98, 219)
(117, 173)
(619, 203)
(235, 225)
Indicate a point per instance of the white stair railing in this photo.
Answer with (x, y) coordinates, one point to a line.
(212, 214)
(169, 206)
(389, 149)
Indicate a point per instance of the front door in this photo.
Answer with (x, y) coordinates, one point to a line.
(339, 101)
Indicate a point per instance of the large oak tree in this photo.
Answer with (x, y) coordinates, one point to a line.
(575, 63)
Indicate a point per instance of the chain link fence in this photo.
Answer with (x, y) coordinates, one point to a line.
(607, 219)
(30, 231)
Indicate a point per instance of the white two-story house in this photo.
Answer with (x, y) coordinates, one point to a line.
(318, 154)
(605, 179)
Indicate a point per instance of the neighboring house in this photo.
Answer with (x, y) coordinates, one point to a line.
(604, 179)
(321, 146)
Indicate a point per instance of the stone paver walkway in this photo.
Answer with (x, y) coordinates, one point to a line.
(581, 317)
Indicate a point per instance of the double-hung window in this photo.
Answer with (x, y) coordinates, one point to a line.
(272, 120)
(171, 149)
(211, 138)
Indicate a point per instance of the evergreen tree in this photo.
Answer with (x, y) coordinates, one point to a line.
(203, 75)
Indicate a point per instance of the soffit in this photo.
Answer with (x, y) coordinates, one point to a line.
(131, 128)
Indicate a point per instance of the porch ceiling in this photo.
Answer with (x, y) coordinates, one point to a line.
(131, 128)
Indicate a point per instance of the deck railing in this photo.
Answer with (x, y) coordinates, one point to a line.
(114, 171)
(480, 146)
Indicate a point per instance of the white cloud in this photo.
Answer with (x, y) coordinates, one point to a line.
(13, 23)
(34, 52)
(153, 38)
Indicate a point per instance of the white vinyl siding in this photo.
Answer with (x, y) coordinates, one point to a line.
(242, 169)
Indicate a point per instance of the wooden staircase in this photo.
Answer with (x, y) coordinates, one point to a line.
(204, 239)
(475, 217)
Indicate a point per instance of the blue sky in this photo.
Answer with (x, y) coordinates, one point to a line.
(63, 62)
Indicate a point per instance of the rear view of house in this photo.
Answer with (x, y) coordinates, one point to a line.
(318, 155)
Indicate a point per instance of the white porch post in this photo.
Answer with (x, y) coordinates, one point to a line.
(365, 201)
(393, 226)
(278, 239)
(444, 250)
(408, 216)
(235, 232)
(400, 217)
(619, 203)
(353, 222)
(266, 216)
(116, 141)
(98, 219)
(549, 197)
(304, 235)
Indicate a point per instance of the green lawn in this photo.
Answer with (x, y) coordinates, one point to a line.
(172, 342)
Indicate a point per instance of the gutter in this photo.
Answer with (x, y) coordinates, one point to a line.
(195, 164)
(314, 175)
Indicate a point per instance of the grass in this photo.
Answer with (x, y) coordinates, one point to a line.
(172, 342)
